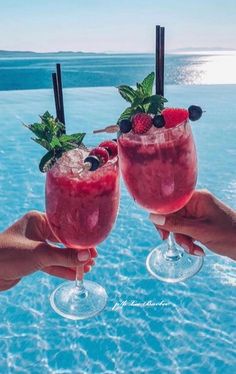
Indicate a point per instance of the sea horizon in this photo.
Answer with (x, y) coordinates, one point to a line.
(26, 70)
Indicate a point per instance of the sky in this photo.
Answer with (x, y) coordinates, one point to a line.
(115, 25)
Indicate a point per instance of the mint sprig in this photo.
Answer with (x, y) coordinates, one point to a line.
(51, 135)
(141, 98)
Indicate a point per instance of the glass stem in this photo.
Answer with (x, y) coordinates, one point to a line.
(172, 253)
(79, 283)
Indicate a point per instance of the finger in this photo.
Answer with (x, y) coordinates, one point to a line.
(189, 246)
(46, 231)
(87, 268)
(93, 252)
(177, 223)
(61, 272)
(47, 255)
(6, 284)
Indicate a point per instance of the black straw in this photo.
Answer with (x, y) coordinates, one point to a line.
(162, 59)
(60, 93)
(159, 60)
(56, 97)
(157, 71)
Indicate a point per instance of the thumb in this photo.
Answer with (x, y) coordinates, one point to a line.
(175, 223)
(48, 255)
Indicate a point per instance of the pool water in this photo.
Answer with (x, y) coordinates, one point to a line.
(183, 328)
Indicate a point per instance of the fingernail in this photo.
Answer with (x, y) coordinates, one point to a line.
(197, 252)
(157, 219)
(185, 247)
(83, 255)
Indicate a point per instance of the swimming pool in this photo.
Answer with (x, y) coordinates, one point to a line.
(192, 327)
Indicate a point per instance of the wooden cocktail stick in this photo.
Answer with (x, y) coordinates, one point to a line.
(109, 129)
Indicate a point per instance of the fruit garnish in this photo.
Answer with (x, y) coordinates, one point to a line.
(111, 147)
(91, 163)
(50, 134)
(109, 129)
(195, 112)
(171, 117)
(141, 123)
(158, 121)
(101, 153)
(125, 126)
(141, 98)
(174, 116)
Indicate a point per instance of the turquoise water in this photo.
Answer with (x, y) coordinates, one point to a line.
(192, 329)
(34, 71)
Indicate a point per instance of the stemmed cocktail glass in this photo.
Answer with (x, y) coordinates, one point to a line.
(81, 209)
(160, 172)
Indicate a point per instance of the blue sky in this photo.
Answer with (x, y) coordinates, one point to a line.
(118, 26)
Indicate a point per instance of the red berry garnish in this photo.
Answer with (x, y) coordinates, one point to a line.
(174, 116)
(111, 147)
(141, 123)
(101, 153)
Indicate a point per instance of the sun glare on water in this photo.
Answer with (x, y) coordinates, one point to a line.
(215, 69)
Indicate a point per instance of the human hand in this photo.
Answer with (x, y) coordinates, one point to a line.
(205, 219)
(24, 250)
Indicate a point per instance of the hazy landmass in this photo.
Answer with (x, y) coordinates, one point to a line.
(4, 53)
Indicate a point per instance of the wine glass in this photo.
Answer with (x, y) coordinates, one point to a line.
(81, 209)
(160, 172)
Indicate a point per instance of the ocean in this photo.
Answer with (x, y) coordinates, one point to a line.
(33, 71)
(190, 329)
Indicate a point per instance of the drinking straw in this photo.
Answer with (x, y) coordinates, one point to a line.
(60, 93)
(157, 70)
(162, 59)
(56, 97)
(159, 60)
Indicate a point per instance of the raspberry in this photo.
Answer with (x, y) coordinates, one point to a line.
(141, 123)
(111, 147)
(174, 116)
(101, 153)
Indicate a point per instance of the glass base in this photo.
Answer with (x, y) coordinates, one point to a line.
(68, 301)
(172, 269)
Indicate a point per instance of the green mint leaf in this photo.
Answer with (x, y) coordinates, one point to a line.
(140, 89)
(137, 102)
(48, 160)
(50, 134)
(127, 114)
(147, 84)
(154, 104)
(38, 129)
(127, 92)
(71, 141)
(42, 142)
(55, 143)
(61, 129)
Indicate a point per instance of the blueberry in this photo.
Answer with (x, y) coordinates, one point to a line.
(94, 161)
(125, 125)
(158, 121)
(195, 112)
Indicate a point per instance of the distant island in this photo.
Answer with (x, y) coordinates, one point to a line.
(188, 50)
(4, 53)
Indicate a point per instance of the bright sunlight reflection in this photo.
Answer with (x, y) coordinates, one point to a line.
(218, 69)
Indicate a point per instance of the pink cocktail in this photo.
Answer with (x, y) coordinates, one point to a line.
(159, 169)
(81, 208)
